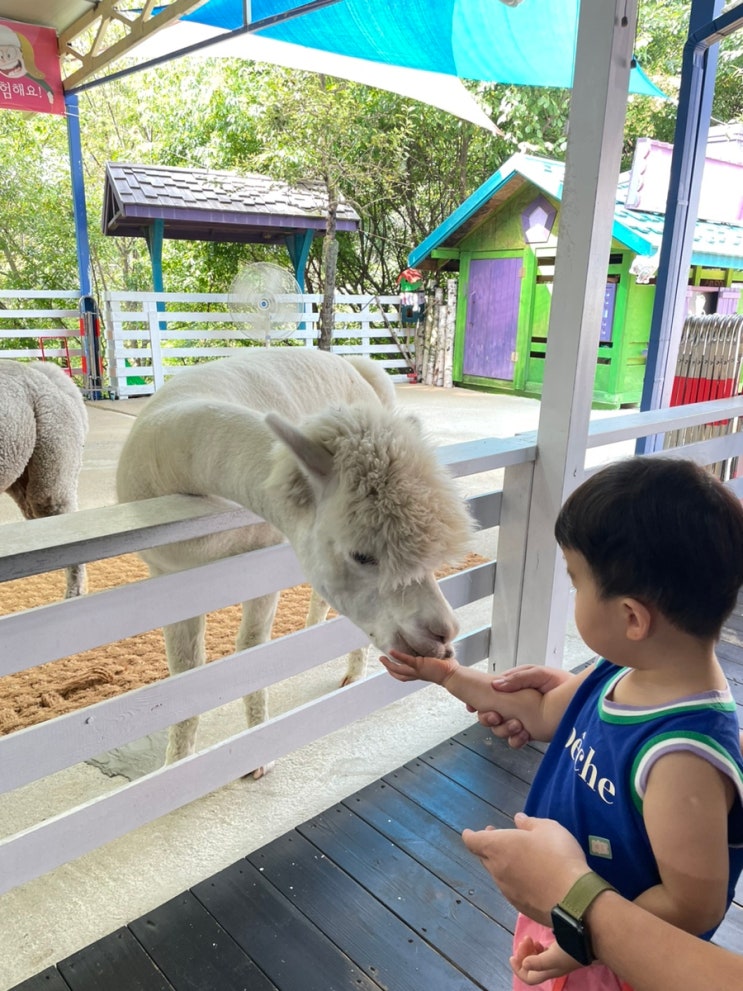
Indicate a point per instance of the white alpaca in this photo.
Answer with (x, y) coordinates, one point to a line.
(309, 441)
(43, 426)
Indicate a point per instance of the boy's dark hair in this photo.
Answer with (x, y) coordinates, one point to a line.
(664, 531)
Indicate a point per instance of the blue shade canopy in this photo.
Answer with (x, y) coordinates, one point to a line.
(532, 44)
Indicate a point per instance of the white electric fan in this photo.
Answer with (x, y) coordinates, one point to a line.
(269, 295)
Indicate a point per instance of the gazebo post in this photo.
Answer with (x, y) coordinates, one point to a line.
(155, 236)
(298, 246)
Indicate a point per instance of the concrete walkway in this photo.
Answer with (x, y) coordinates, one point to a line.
(51, 917)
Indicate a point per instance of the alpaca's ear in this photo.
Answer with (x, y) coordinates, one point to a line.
(316, 460)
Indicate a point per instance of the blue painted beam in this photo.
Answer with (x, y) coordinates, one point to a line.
(79, 208)
(155, 237)
(89, 318)
(698, 72)
(298, 246)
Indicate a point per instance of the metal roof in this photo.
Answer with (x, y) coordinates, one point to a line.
(58, 14)
(197, 204)
(717, 245)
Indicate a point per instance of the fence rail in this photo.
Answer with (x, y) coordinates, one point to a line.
(151, 336)
(42, 324)
(148, 337)
(63, 628)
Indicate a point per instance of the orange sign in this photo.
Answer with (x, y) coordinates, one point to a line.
(30, 77)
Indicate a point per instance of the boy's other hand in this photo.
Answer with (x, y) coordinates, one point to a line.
(542, 679)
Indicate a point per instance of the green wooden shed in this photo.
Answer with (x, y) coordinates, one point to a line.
(502, 242)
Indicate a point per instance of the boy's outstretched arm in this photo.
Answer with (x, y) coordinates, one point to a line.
(539, 713)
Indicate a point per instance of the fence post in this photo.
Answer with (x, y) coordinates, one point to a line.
(90, 333)
(153, 326)
(508, 591)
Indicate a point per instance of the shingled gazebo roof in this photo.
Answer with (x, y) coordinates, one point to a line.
(199, 205)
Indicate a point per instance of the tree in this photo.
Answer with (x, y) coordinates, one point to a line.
(403, 165)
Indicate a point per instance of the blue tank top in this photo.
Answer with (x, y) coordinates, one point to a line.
(594, 774)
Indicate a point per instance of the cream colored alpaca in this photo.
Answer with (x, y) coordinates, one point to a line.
(43, 427)
(311, 443)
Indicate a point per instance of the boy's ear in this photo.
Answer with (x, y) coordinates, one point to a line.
(638, 619)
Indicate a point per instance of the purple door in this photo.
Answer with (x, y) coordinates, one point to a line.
(492, 317)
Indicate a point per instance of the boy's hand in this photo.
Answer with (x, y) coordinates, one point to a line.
(406, 667)
(534, 963)
(542, 679)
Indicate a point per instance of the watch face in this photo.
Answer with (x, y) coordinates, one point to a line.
(572, 936)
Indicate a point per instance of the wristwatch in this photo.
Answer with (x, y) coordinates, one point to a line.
(567, 917)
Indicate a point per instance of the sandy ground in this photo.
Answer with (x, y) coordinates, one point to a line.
(49, 690)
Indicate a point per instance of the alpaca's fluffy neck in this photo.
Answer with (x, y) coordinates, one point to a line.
(214, 449)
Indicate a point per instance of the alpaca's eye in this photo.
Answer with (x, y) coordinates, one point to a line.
(360, 558)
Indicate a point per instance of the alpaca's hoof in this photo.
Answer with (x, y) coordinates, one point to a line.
(259, 772)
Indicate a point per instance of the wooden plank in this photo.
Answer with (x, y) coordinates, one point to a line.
(193, 951)
(732, 669)
(486, 509)
(433, 844)
(445, 799)
(60, 839)
(730, 933)
(47, 980)
(522, 763)
(632, 425)
(470, 585)
(73, 625)
(469, 939)
(490, 782)
(34, 546)
(474, 456)
(286, 945)
(117, 963)
(48, 747)
(375, 936)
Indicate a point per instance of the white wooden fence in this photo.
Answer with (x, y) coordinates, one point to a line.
(151, 336)
(37, 323)
(64, 628)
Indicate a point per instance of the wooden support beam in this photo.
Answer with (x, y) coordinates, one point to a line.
(606, 37)
(110, 31)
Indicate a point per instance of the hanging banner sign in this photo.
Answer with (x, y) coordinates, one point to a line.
(30, 77)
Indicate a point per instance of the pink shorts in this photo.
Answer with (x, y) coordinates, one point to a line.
(597, 977)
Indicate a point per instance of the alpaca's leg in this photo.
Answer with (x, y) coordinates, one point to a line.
(317, 612)
(255, 628)
(184, 645)
(356, 669)
(77, 581)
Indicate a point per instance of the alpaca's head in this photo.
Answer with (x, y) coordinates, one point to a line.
(372, 513)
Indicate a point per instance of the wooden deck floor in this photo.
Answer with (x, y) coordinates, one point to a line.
(376, 892)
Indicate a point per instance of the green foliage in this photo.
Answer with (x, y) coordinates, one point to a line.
(405, 166)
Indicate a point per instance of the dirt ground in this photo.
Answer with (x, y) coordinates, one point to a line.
(49, 690)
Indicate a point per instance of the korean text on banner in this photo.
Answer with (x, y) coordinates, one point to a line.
(30, 77)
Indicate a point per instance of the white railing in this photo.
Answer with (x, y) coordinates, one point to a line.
(151, 336)
(68, 627)
(42, 324)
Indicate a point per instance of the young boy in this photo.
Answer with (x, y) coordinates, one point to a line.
(645, 767)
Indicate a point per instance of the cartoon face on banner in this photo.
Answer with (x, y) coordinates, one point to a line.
(29, 69)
